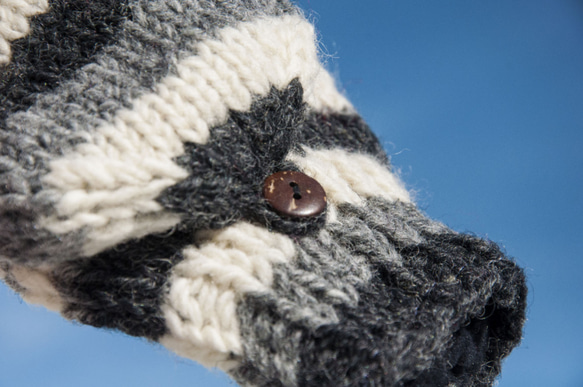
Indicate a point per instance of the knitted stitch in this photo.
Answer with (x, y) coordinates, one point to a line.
(135, 137)
(14, 23)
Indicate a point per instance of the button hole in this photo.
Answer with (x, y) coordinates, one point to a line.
(296, 188)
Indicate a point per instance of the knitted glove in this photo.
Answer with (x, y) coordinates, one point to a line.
(140, 145)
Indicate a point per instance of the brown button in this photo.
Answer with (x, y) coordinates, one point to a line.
(294, 194)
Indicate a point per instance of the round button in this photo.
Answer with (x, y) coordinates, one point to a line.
(294, 194)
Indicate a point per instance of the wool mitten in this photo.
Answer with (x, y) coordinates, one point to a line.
(186, 171)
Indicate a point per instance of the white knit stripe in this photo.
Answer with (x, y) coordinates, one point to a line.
(109, 185)
(120, 230)
(200, 308)
(14, 15)
(34, 286)
(350, 177)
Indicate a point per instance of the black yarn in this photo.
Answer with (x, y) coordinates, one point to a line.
(412, 302)
(382, 297)
(62, 40)
(226, 175)
(128, 47)
(462, 362)
(448, 311)
(123, 287)
(363, 350)
(339, 131)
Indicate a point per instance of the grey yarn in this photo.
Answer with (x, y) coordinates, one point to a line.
(147, 49)
(336, 281)
(368, 293)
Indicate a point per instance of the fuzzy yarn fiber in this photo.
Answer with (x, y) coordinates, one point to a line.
(135, 137)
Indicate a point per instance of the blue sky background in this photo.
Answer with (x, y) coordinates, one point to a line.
(480, 104)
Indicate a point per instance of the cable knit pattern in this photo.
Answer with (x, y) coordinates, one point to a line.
(135, 140)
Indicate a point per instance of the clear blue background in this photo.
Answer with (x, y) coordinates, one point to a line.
(480, 104)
